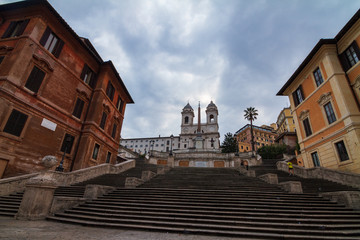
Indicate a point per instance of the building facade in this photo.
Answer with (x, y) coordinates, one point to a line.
(144, 145)
(57, 96)
(324, 93)
(263, 136)
(286, 130)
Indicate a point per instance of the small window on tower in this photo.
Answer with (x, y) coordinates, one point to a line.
(186, 120)
(212, 118)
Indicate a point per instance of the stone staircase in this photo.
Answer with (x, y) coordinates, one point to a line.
(217, 201)
(9, 205)
(309, 185)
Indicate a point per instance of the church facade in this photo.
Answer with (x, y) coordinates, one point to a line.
(197, 135)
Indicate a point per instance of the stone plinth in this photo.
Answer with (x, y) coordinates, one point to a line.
(292, 186)
(93, 191)
(38, 197)
(350, 199)
(270, 178)
(147, 175)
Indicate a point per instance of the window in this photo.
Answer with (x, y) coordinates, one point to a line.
(35, 79)
(341, 149)
(307, 128)
(350, 56)
(119, 103)
(108, 157)
(15, 123)
(318, 77)
(298, 96)
(186, 120)
(88, 76)
(51, 42)
(103, 120)
(96, 151)
(78, 108)
(1, 59)
(67, 143)
(110, 90)
(315, 159)
(113, 133)
(15, 29)
(329, 113)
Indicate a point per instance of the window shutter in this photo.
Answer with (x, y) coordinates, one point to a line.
(15, 123)
(93, 80)
(356, 49)
(58, 48)
(344, 62)
(22, 27)
(84, 71)
(9, 30)
(296, 102)
(45, 36)
(35, 79)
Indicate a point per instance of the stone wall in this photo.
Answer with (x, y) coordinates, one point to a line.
(349, 179)
(16, 184)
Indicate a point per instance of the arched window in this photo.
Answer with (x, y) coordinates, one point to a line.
(212, 118)
(186, 120)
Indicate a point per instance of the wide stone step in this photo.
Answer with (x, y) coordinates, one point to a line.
(273, 219)
(253, 208)
(218, 200)
(269, 214)
(263, 222)
(195, 227)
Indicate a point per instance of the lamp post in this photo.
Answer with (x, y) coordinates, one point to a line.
(171, 142)
(60, 168)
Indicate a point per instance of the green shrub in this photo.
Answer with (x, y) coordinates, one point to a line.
(273, 151)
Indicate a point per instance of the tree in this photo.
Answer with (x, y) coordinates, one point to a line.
(229, 144)
(251, 115)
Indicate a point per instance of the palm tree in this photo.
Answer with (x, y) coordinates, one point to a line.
(250, 115)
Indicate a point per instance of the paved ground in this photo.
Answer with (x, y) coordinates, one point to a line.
(12, 229)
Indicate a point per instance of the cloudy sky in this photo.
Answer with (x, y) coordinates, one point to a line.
(237, 53)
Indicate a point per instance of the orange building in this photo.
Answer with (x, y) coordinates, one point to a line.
(263, 136)
(57, 96)
(324, 93)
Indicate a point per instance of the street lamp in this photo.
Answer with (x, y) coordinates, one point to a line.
(171, 142)
(60, 168)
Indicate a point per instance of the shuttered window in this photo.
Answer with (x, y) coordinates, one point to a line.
(341, 149)
(67, 143)
(103, 120)
(15, 123)
(35, 79)
(96, 151)
(78, 108)
(318, 77)
(51, 42)
(15, 29)
(298, 96)
(329, 113)
(110, 90)
(350, 56)
(88, 76)
(113, 133)
(307, 127)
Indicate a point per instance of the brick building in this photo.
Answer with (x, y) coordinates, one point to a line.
(57, 96)
(324, 94)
